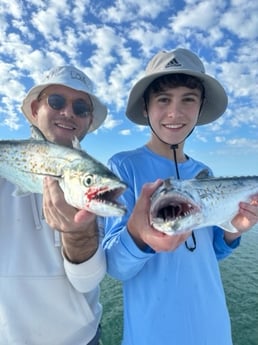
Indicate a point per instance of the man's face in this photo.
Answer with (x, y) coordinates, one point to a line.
(62, 125)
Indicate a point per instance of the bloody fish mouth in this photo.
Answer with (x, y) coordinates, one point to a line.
(105, 195)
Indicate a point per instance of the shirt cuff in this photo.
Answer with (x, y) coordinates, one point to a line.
(88, 274)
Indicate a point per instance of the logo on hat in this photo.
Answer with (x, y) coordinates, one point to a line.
(173, 63)
(80, 77)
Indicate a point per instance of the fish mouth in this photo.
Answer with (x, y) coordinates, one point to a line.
(110, 196)
(104, 202)
(171, 209)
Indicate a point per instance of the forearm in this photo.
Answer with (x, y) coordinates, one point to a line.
(80, 246)
(231, 233)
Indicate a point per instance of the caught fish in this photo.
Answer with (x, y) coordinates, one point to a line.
(179, 206)
(86, 183)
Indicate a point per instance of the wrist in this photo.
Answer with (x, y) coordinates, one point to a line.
(136, 238)
(78, 248)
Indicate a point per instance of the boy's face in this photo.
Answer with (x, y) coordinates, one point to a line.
(61, 125)
(173, 112)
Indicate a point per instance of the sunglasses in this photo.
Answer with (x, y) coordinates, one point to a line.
(57, 102)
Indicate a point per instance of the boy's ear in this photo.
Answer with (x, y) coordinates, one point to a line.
(144, 105)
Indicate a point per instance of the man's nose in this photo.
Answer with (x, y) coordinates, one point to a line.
(67, 110)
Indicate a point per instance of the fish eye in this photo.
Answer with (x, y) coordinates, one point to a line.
(88, 180)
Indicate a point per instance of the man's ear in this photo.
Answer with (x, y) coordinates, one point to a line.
(34, 108)
(91, 120)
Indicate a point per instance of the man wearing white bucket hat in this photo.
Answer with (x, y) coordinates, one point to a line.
(172, 288)
(51, 266)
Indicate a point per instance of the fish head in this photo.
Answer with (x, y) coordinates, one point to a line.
(175, 207)
(94, 189)
(101, 194)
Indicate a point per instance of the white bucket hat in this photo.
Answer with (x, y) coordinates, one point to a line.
(72, 77)
(178, 61)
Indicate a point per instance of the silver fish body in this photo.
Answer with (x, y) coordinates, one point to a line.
(178, 206)
(86, 183)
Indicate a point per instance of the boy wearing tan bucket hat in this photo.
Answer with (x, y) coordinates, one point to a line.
(172, 288)
(51, 266)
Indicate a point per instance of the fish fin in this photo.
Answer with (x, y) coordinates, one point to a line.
(76, 143)
(203, 174)
(37, 134)
(19, 192)
(227, 226)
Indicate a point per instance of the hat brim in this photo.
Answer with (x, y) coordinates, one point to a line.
(99, 109)
(214, 104)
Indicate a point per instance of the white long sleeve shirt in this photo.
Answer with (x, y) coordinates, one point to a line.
(44, 299)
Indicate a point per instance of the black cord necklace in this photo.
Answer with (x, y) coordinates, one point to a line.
(190, 248)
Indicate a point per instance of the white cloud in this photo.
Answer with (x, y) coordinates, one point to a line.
(125, 132)
(243, 143)
(219, 139)
(198, 15)
(126, 10)
(111, 122)
(241, 19)
(47, 22)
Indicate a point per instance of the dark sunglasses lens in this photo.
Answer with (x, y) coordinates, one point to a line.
(56, 102)
(81, 108)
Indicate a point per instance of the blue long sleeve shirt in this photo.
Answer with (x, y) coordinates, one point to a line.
(176, 297)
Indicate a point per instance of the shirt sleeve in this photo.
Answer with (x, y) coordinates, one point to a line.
(124, 258)
(221, 247)
(87, 275)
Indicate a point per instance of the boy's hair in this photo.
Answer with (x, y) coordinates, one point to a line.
(172, 81)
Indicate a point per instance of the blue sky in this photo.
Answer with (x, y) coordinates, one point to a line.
(112, 41)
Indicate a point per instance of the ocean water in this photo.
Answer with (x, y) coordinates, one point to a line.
(240, 278)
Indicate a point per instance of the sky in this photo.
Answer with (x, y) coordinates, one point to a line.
(112, 42)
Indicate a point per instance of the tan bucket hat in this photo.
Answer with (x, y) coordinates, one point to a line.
(178, 61)
(72, 77)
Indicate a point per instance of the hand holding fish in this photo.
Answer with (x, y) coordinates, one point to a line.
(79, 228)
(141, 230)
(246, 218)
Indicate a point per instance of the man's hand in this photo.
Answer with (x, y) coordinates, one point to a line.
(79, 230)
